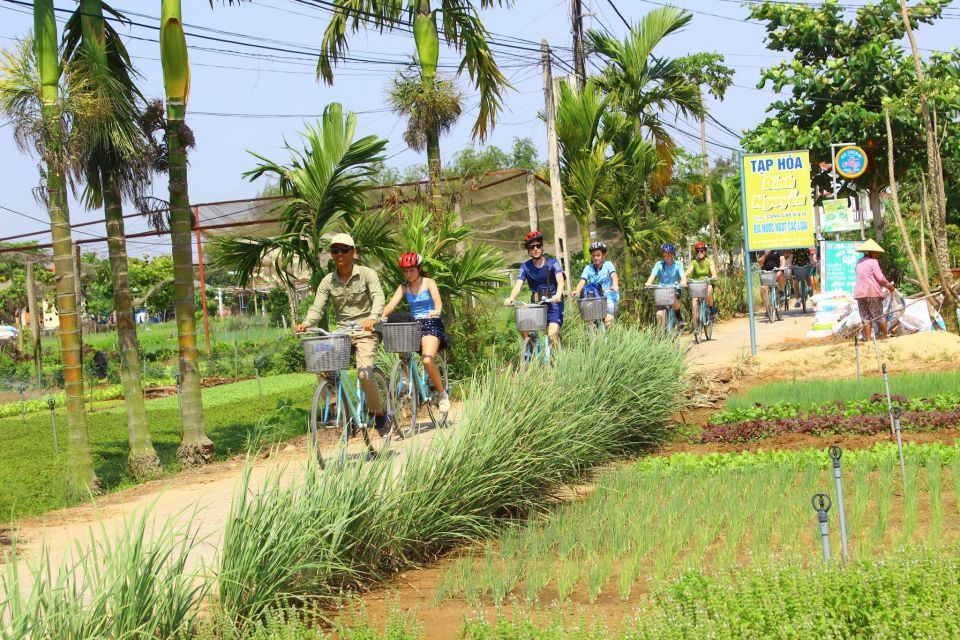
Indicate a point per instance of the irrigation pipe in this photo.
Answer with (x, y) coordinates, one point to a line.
(895, 414)
(821, 503)
(835, 454)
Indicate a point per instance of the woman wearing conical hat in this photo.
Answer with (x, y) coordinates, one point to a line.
(868, 290)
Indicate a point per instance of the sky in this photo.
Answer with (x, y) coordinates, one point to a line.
(254, 84)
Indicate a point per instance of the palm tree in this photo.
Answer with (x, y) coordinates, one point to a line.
(585, 168)
(324, 184)
(643, 85)
(195, 447)
(40, 99)
(459, 274)
(114, 163)
(428, 103)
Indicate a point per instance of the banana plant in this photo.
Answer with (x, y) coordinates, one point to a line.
(113, 163)
(432, 104)
(195, 447)
(31, 80)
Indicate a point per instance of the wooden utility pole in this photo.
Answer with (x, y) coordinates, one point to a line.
(34, 318)
(458, 216)
(77, 291)
(203, 282)
(553, 160)
(579, 60)
(532, 201)
(708, 191)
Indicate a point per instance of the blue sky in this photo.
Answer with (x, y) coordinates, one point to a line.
(246, 98)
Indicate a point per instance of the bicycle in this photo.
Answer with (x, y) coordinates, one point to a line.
(768, 280)
(701, 320)
(802, 275)
(663, 299)
(339, 403)
(410, 386)
(532, 319)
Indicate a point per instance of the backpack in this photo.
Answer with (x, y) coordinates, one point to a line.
(591, 289)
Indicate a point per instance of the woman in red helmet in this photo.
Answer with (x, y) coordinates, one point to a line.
(423, 299)
(544, 276)
(702, 268)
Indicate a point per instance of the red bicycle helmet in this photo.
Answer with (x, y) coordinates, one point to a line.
(700, 245)
(411, 259)
(532, 237)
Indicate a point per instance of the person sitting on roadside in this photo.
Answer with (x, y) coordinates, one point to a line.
(868, 289)
(668, 272)
(600, 278)
(801, 264)
(768, 261)
(544, 275)
(702, 268)
(423, 299)
(357, 299)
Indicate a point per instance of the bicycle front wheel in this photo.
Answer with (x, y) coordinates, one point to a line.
(527, 351)
(324, 414)
(771, 306)
(708, 326)
(404, 396)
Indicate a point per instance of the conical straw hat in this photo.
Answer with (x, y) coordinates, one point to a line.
(870, 245)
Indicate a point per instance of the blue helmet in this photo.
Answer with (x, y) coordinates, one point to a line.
(598, 246)
(669, 248)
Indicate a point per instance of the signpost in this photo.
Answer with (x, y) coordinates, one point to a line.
(777, 203)
(838, 261)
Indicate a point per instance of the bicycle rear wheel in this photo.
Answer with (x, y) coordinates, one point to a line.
(324, 414)
(404, 396)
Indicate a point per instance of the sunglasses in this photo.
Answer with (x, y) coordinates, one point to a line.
(340, 250)
(535, 246)
(701, 250)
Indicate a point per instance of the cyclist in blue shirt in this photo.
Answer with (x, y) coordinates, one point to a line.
(600, 278)
(669, 271)
(544, 276)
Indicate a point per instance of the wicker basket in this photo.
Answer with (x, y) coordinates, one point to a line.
(533, 318)
(401, 337)
(664, 296)
(768, 278)
(327, 353)
(698, 288)
(593, 309)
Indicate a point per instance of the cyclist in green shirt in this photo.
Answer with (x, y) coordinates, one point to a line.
(701, 268)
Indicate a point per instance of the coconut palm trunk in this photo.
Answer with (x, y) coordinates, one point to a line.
(195, 448)
(142, 461)
(81, 476)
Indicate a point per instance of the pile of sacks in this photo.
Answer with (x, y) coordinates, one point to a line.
(837, 312)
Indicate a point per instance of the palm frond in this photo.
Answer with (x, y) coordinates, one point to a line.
(348, 17)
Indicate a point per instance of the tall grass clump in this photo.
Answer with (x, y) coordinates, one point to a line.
(134, 584)
(521, 436)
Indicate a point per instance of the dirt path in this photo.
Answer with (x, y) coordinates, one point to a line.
(731, 340)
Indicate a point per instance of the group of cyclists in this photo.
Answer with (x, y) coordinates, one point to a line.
(798, 264)
(359, 302)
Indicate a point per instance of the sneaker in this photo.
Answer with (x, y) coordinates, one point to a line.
(444, 403)
(796, 304)
(382, 424)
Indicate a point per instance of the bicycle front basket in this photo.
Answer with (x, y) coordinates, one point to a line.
(327, 353)
(768, 278)
(593, 309)
(531, 318)
(401, 337)
(664, 296)
(801, 273)
(697, 288)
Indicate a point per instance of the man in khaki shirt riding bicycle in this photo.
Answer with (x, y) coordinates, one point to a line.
(357, 299)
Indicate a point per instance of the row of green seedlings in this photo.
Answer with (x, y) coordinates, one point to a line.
(645, 526)
(307, 541)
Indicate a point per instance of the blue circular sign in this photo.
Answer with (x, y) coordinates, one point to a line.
(851, 162)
